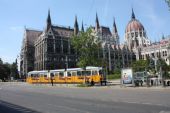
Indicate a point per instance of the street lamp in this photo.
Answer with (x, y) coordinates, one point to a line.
(66, 63)
(155, 63)
(66, 66)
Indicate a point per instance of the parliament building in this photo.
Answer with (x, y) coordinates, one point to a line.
(51, 48)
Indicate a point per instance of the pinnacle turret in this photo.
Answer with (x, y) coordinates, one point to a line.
(97, 22)
(48, 21)
(76, 27)
(114, 27)
(82, 27)
(133, 14)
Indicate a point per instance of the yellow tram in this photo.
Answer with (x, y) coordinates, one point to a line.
(71, 75)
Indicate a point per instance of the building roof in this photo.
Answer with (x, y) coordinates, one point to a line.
(32, 35)
(134, 25)
(105, 30)
(63, 31)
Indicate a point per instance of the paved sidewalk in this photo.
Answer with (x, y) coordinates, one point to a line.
(111, 84)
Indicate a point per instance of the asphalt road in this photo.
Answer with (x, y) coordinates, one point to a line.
(24, 98)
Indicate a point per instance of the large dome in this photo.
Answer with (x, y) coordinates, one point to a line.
(135, 34)
(134, 25)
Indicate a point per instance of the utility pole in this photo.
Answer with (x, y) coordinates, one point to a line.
(161, 77)
(109, 57)
(66, 63)
(66, 66)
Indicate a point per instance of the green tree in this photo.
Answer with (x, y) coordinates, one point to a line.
(1, 62)
(1, 70)
(165, 68)
(88, 49)
(14, 70)
(168, 2)
(140, 65)
(7, 70)
(4, 70)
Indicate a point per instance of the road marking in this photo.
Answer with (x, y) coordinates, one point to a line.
(164, 112)
(144, 103)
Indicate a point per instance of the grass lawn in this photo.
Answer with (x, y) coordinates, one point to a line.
(114, 76)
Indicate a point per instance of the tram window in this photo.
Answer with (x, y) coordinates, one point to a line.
(83, 73)
(69, 74)
(39, 75)
(61, 74)
(88, 73)
(56, 74)
(94, 72)
(51, 74)
(74, 73)
(100, 72)
(35, 75)
(44, 75)
(79, 73)
(32, 75)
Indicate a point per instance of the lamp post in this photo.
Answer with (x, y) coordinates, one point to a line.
(66, 66)
(155, 62)
(161, 77)
(66, 63)
(108, 45)
(104, 61)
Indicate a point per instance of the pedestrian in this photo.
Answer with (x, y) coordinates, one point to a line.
(52, 81)
(101, 82)
(151, 82)
(105, 81)
(137, 82)
(92, 82)
(141, 83)
(168, 83)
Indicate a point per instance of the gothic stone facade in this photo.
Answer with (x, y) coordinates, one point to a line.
(116, 55)
(48, 49)
(28, 50)
(51, 48)
(138, 42)
(157, 50)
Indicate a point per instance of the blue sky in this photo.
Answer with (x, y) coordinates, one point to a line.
(15, 14)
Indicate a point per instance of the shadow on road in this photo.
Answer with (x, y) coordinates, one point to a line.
(6, 107)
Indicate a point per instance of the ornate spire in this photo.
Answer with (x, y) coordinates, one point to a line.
(115, 33)
(114, 27)
(97, 22)
(133, 14)
(76, 27)
(82, 27)
(48, 20)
